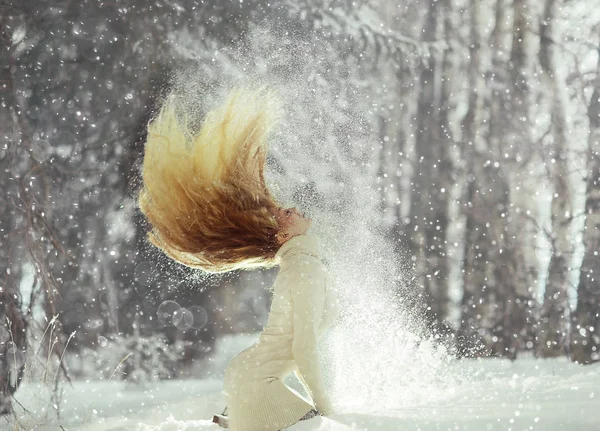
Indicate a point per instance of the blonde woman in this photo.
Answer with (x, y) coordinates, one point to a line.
(207, 201)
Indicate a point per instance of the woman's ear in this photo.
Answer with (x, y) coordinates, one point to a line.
(282, 237)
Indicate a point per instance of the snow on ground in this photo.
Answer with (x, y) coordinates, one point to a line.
(493, 394)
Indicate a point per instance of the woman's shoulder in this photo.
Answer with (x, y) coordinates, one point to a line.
(300, 245)
(300, 271)
(304, 264)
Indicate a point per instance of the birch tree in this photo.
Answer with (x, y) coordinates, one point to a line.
(554, 317)
(13, 163)
(494, 188)
(429, 202)
(585, 347)
(477, 301)
(516, 151)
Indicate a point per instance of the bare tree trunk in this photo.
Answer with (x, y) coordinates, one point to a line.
(520, 317)
(13, 340)
(476, 305)
(585, 346)
(552, 339)
(432, 176)
(494, 178)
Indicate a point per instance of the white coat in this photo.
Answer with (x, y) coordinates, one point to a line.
(303, 308)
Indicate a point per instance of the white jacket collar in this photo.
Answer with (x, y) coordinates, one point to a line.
(301, 244)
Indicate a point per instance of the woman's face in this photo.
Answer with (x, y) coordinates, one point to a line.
(291, 223)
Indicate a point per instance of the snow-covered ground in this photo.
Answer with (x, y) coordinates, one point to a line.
(492, 394)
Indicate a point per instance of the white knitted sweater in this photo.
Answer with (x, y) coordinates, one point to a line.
(303, 308)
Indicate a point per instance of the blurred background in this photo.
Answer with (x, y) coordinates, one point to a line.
(463, 134)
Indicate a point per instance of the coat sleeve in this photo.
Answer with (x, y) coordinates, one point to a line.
(308, 295)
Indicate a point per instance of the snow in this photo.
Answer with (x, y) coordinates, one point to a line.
(489, 394)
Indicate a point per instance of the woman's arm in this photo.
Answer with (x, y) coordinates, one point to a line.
(308, 294)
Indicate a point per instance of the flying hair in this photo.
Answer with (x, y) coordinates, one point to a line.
(204, 191)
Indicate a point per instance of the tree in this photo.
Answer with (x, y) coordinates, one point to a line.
(585, 346)
(515, 150)
(431, 178)
(14, 143)
(554, 317)
(477, 301)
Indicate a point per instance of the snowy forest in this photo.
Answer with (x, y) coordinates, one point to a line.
(447, 150)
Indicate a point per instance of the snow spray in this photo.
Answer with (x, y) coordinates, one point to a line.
(323, 159)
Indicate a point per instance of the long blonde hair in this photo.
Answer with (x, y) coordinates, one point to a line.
(204, 192)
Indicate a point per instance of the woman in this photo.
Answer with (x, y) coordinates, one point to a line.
(207, 201)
